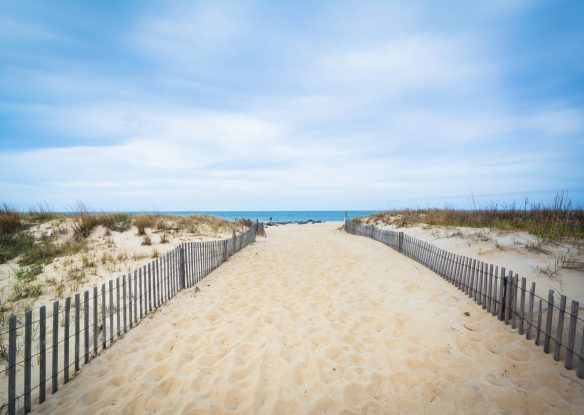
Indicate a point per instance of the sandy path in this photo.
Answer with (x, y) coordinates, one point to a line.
(312, 320)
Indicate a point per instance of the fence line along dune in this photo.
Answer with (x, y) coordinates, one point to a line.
(48, 345)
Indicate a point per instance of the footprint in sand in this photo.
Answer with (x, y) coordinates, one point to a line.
(354, 394)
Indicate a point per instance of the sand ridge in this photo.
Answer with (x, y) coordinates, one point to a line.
(313, 320)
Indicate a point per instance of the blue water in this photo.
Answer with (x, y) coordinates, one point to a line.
(283, 215)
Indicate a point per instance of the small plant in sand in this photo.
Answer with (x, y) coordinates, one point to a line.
(106, 258)
(536, 246)
(163, 225)
(499, 246)
(87, 262)
(21, 291)
(146, 240)
(76, 277)
(144, 221)
(136, 256)
(164, 238)
(3, 351)
(25, 283)
(155, 253)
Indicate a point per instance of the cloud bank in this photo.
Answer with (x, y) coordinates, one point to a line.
(262, 105)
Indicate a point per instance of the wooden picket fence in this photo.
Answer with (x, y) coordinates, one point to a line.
(499, 292)
(45, 351)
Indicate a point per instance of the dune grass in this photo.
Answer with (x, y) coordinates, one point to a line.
(555, 221)
(25, 239)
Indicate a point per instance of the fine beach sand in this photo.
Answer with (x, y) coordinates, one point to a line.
(314, 320)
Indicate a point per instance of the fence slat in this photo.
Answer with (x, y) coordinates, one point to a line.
(43, 353)
(539, 314)
(148, 290)
(86, 325)
(111, 310)
(135, 299)
(182, 267)
(494, 303)
(125, 314)
(548, 324)
(166, 279)
(95, 326)
(55, 352)
(502, 287)
(513, 300)
(103, 320)
(12, 365)
(154, 285)
(571, 334)
(130, 299)
(66, 340)
(118, 305)
(27, 359)
(155, 280)
(580, 372)
(560, 328)
(522, 305)
(530, 311)
(77, 329)
(141, 296)
(490, 289)
(508, 296)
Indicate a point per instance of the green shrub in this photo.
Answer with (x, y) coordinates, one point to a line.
(145, 221)
(118, 222)
(28, 274)
(13, 245)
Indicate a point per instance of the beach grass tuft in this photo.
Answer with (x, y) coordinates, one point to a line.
(555, 221)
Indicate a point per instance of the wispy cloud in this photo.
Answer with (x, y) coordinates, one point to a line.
(286, 105)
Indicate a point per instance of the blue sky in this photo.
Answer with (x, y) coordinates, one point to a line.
(290, 105)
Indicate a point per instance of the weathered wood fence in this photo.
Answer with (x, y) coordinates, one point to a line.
(45, 350)
(499, 292)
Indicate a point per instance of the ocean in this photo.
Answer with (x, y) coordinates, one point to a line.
(282, 215)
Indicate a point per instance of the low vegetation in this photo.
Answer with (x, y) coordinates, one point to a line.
(556, 221)
(33, 240)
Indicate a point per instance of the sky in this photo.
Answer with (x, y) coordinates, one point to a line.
(290, 105)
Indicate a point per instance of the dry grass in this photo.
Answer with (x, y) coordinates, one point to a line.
(24, 237)
(86, 222)
(142, 222)
(10, 220)
(556, 221)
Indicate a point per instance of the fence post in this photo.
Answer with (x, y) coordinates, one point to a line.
(181, 251)
(12, 366)
(233, 252)
(401, 242)
(571, 334)
(548, 323)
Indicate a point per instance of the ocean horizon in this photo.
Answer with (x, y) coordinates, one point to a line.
(275, 215)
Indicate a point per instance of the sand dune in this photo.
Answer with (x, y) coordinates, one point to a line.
(312, 320)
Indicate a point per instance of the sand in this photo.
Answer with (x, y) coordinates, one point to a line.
(314, 320)
(105, 255)
(552, 265)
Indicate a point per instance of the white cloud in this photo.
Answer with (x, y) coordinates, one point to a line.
(228, 110)
(189, 33)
